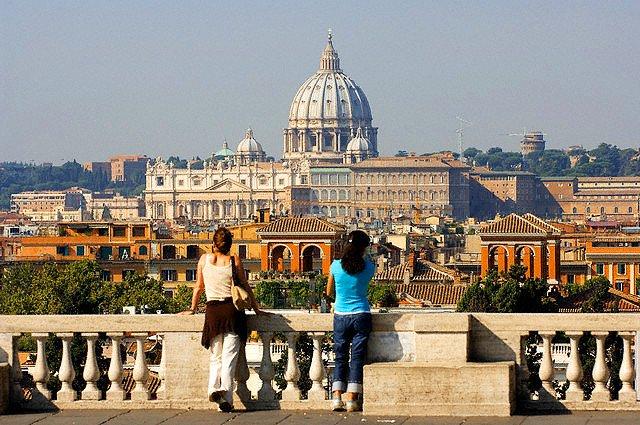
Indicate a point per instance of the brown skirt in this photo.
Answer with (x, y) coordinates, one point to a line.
(221, 317)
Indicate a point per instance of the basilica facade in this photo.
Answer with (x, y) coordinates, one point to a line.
(330, 167)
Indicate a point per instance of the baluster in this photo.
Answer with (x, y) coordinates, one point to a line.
(600, 371)
(292, 374)
(67, 373)
(627, 372)
(140, 370)
(16, 372)
(316, 370)
(266, 372)
(41, 369)
(574, 369)
(162, 371)
(115, 392)
(91, 373)
(242, 374)
(546, 373)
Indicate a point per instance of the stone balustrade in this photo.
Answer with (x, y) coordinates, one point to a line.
(446, 353)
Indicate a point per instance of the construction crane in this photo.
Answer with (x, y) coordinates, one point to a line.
(463, 124)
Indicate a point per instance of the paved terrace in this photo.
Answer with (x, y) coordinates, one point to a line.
(203, 417)
(447, 365)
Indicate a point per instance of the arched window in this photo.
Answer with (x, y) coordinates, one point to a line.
(630, 210)
(575, 210)
(588, 210)
(615, 210)
(431, 179)
(601, 210)
(142, 250)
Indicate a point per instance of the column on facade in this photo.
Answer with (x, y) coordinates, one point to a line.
(540, 257)
(511, 256)
(336, 141)
(632, 279)
(611, 281)
(302, 140)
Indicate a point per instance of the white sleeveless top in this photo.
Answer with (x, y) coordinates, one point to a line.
(217, 280)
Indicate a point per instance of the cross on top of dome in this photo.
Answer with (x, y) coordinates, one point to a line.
(329, 60)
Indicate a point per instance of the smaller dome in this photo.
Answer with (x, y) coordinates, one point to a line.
(359, 143)
(249, 145)
(224, 153)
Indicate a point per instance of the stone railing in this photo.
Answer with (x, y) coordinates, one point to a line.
(470, 363)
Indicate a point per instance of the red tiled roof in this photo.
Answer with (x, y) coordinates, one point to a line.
(515, 224)
(307, 225)
(424, 271)
(153, 383)
(541, 223)
(615, 299)
(445, 295)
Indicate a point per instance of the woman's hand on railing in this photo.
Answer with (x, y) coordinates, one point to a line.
(259, 312)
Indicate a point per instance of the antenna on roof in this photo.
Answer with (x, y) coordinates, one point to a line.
(463, 124)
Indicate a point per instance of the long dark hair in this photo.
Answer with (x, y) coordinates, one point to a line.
(353, 255)
(222, 240)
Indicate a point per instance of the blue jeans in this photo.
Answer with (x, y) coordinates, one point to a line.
(350, 331)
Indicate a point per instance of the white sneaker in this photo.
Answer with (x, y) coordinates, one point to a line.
(337, 405)
(353, 406)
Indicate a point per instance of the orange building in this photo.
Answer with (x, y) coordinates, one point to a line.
(525, 240)
(617, 258)
(299, 244)
(119, 248)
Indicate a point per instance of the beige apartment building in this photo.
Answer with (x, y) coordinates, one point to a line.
(603, 198)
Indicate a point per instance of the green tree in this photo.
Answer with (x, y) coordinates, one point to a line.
(471, 152)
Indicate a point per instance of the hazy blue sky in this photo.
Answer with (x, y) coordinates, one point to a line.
(89, 79)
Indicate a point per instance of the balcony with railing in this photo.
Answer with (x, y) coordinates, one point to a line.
(420, 363)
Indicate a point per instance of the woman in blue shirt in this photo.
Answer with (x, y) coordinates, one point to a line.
(350, 277)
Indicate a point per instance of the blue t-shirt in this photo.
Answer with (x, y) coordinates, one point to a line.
(351, 290)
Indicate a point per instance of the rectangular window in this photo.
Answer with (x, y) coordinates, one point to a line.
(180, 182)
(191, 275)
(119, 231)
(106, 275)
(620, 285)
(303, 179)
(138, 231)
(80, 250)
(622, 268)
(242, 251)
(571, 278)
(62, 250)
(159, 181)
(600, 269)
(280, 182)
(169, 275)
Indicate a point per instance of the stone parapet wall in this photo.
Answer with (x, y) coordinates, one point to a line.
(442, 345)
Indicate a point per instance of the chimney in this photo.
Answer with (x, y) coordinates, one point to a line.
(411, 262)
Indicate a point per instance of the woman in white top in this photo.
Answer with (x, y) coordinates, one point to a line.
(225, 328)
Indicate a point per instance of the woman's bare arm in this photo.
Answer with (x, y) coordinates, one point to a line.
(329, 290)
(198, 288)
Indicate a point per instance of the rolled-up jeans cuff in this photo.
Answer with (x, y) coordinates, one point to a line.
(338, 386)
(354, 387)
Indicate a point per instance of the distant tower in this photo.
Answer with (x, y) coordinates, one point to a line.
(532, 142)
